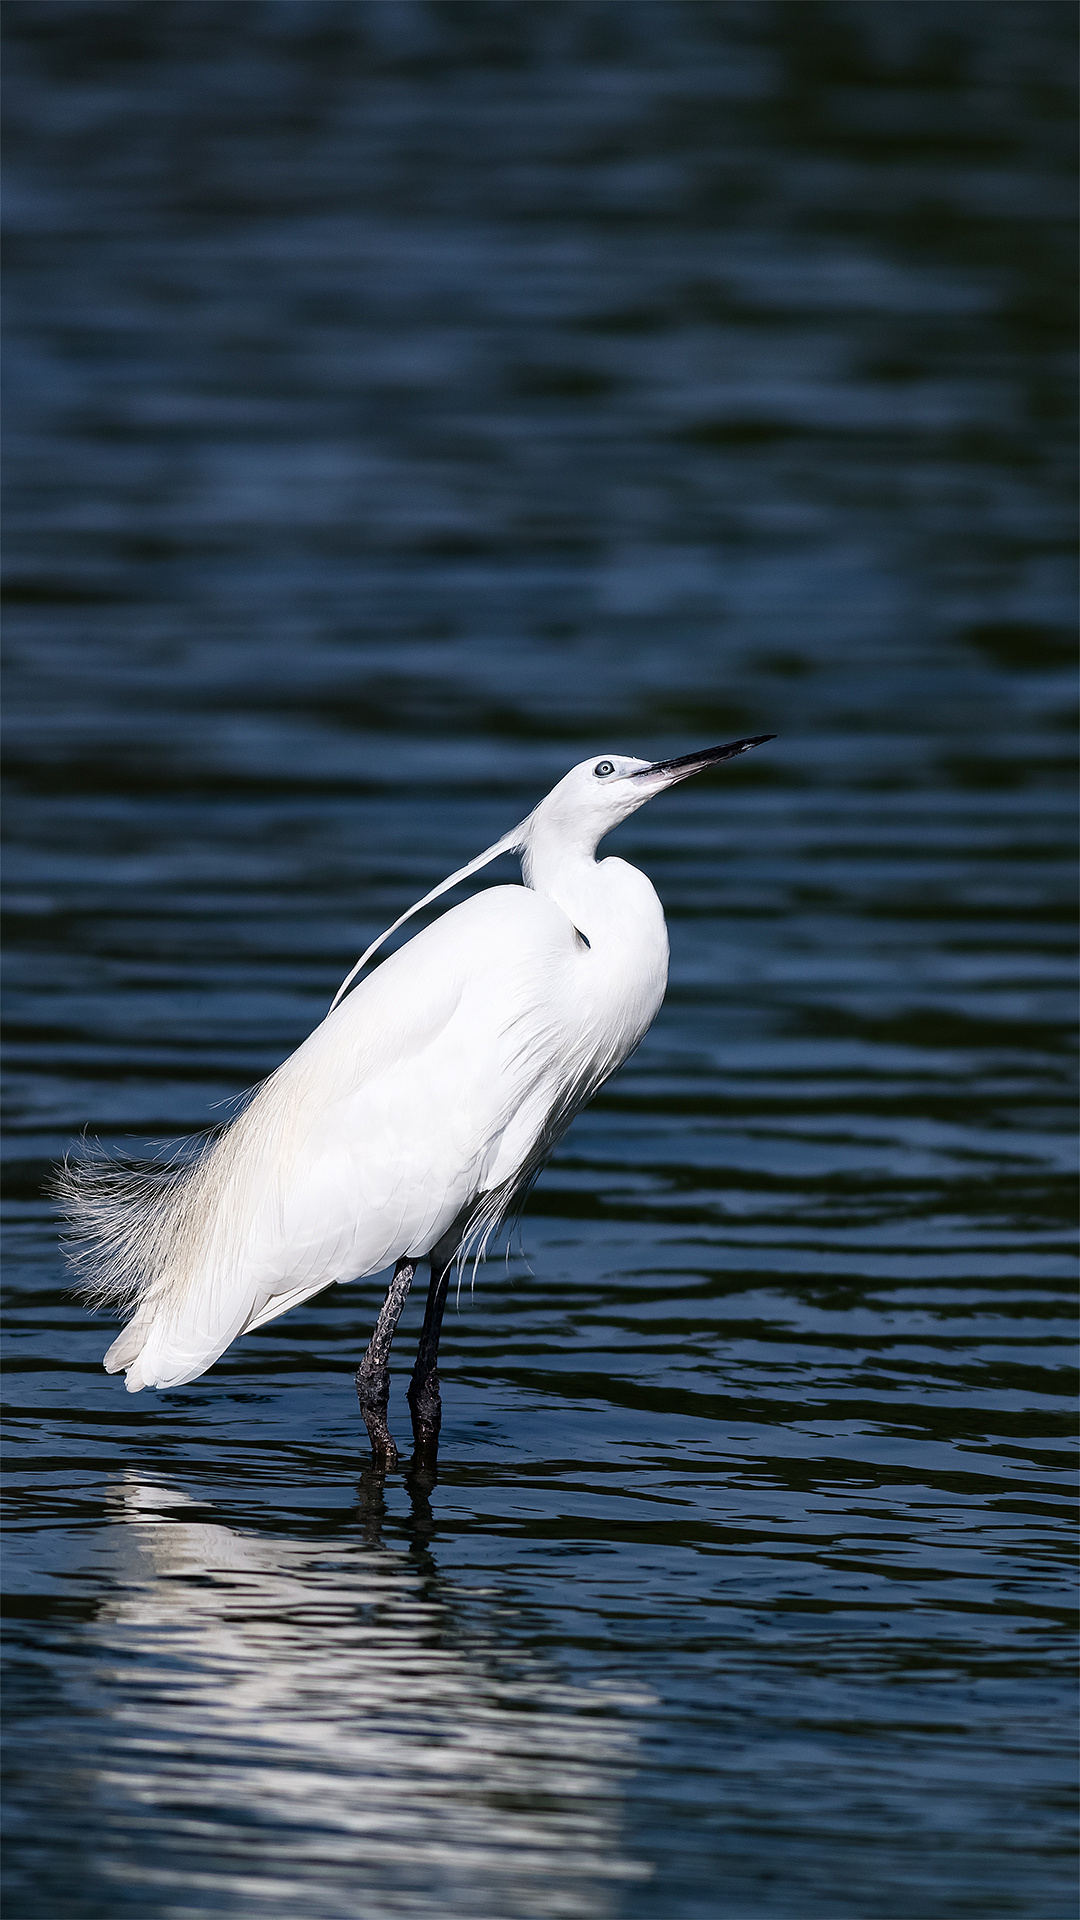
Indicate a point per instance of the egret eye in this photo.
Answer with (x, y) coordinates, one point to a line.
(603, 767)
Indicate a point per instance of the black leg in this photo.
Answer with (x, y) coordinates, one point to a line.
(425, 1402)
(373, 1373)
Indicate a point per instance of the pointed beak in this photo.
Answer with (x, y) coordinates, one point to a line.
(672, 770)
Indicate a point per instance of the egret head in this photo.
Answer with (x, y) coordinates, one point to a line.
(595, 795)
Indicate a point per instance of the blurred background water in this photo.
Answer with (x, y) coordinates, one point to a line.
(403, 402)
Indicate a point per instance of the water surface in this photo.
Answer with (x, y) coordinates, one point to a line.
(403, 404)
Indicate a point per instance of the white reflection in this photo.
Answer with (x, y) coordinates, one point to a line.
(322, 1727)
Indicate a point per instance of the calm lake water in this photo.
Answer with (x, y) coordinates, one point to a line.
(404, 402)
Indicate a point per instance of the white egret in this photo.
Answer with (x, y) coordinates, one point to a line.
(413, 1119)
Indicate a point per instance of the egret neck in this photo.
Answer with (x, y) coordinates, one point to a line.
(606, 901)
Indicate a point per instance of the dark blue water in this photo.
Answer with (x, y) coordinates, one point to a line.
(404, 402)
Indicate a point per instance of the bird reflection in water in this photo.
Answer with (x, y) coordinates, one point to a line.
(421, 1479)
(332, 1720)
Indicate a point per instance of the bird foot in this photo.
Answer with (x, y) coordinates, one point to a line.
(373, 1393)
(384, 1453)
(425, 1460)
(425, 1404)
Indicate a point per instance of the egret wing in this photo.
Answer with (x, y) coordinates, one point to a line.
(370, 1140)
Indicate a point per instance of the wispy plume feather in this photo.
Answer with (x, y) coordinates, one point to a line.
(128, 1220)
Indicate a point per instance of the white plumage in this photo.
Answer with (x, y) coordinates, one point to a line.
(416, 1114)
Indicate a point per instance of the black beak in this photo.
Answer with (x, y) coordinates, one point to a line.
(689, 763)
